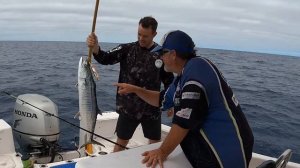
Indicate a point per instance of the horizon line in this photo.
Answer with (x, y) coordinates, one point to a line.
(226, 49)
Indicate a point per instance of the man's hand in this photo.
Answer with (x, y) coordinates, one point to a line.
(170, 112)
(92, 42)
(154, 157)
(124, 88)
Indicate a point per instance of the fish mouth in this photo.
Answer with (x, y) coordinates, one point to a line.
(81, 60)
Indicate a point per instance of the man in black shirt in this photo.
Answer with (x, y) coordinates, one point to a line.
(137, 67)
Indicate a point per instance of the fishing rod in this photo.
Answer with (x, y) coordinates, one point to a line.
(64, 120)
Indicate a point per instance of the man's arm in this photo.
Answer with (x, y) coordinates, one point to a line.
(149, 96)
(173, 139)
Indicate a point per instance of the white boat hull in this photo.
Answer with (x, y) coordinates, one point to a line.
(103, 157)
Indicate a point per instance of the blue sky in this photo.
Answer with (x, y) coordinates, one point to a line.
(269, 26)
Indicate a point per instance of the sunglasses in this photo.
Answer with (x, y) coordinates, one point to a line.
(162, 52)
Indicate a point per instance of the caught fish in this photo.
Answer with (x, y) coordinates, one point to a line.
(88, 108)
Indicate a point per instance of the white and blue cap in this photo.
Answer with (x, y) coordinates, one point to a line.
(176, 40)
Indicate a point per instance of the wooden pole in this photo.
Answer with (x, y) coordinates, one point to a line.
(89, 59)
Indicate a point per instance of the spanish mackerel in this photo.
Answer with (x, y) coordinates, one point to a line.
(88, 108)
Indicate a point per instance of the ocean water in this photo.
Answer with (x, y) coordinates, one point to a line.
(267, 87)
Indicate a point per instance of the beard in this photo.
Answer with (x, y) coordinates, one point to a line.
(166, 68)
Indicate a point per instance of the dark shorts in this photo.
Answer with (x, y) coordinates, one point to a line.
(126, 127)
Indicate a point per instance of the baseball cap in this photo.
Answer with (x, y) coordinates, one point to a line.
(176, 40)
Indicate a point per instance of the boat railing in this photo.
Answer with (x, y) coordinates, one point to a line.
(281, 162)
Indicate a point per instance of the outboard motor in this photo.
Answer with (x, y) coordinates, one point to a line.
(35, 130)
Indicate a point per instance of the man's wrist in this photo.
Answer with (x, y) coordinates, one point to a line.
(163, 153)
(96, 50)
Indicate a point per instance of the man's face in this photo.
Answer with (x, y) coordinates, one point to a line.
(145, 36)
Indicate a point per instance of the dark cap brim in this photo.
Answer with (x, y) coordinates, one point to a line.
(157, 49)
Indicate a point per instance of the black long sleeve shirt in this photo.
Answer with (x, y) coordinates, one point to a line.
(137, 67)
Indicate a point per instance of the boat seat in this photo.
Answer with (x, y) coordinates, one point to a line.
(281, 162)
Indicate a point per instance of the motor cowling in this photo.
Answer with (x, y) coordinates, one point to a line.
(33, 121)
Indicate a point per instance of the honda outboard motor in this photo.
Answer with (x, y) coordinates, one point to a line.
(35, 130)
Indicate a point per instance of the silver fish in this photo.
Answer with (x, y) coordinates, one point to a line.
(88, 108)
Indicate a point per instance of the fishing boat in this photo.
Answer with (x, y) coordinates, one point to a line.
(44, 152)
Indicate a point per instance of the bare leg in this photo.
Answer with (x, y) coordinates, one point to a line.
(118, 148)
(153, 141)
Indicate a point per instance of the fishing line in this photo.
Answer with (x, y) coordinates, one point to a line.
(64, 120)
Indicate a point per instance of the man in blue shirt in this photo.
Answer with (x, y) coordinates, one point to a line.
(208, 121)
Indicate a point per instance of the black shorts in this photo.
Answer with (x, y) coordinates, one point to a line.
(126, 127)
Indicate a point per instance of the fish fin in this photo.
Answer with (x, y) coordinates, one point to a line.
(91, 142)
(77, 115)
(94, 72)
(86, 151)
(76, 85)
(89, 149)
